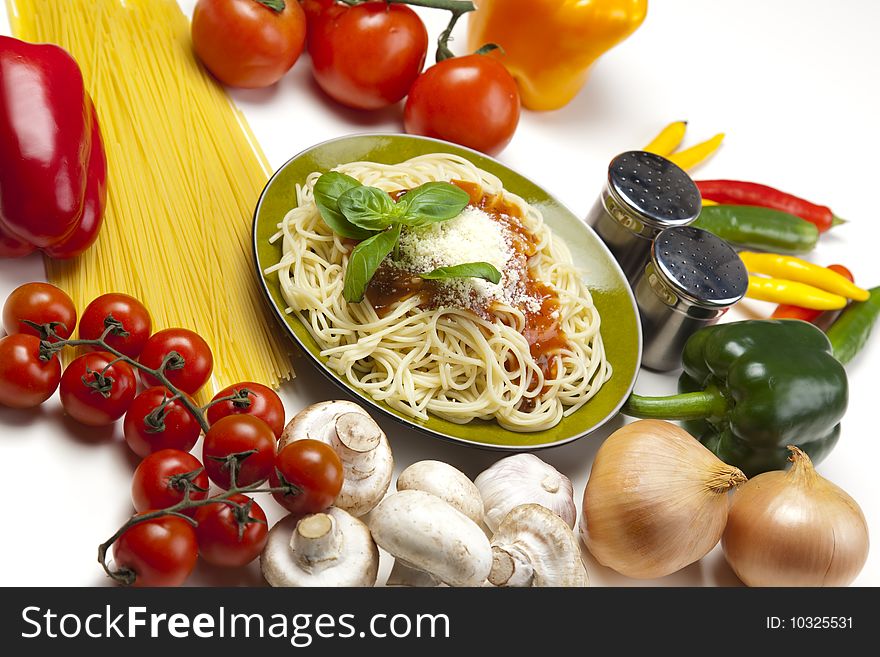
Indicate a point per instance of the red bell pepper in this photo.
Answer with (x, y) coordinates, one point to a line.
(53, 170)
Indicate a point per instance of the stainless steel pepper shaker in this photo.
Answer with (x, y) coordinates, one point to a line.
(645, 193)
(690, 281)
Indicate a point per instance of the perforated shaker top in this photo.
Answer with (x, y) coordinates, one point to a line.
(655, 188)
(701, 266)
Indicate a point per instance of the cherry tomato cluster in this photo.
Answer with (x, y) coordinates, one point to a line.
(367, 55)
(241, 426)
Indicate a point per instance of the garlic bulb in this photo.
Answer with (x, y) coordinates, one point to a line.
(795, 528)
(656, 500)
(524, 479)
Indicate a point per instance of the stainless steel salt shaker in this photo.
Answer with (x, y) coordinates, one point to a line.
(645, 193)
(691, 279)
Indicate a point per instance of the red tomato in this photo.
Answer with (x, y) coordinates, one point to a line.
(25, 380)
(40, 303)
(181, 429)
(218, 532)
(247, 43)
(239, 433)
(129, 311)
(151, 484)
(264, 404)
(315, 468)
(367, 56)
(198, 361)
(160, 552)
(470, 100)
(93, 393)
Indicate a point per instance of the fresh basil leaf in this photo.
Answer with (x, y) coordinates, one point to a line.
(365, 260)
(467, 270)
(329, 187)
(369, 208)
(433, 202)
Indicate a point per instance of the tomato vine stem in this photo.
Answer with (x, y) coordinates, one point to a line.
(458, 8)
(51, 344)
(186, 481)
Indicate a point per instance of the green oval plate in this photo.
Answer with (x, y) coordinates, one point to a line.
(612, 295)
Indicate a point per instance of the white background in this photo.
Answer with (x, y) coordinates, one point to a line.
(794, 86)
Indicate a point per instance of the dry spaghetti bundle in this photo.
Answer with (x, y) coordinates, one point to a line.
(184, 175)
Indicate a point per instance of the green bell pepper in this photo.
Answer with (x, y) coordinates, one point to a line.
(750, 388)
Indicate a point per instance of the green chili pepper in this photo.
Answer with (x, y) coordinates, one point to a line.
(751, 388)
(852, 329)
(759, 228)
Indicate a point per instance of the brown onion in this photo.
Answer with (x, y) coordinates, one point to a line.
(795, 528)
(656, 500)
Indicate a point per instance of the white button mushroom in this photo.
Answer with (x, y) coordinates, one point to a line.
(360, 443)
(323, 549)
(534, 547)
(524, 479)
(447, 483)
(427, 534)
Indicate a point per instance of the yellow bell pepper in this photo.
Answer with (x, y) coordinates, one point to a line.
(777, 290)
(796, 269)
(549, 45)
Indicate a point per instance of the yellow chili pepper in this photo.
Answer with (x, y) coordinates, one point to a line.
(795, 269)
(691, 157)
(707, 202)
(668, 139)
(777, 290)
(549, 45)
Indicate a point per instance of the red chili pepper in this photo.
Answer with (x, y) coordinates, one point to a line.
(786, 311)
(735, 192)
(52, 166)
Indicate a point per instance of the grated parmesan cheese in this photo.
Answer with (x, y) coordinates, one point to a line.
(472, 236)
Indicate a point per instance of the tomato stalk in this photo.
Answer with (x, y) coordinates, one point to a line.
(185, 481)
(458, 8)
(53, 344)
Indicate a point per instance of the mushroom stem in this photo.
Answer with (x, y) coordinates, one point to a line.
(356, 439)
(316, 542)
(510, 568)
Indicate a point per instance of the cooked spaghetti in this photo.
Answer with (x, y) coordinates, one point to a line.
(524, 352)
(184, 175)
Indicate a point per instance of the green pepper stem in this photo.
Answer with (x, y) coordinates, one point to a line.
(686, 406)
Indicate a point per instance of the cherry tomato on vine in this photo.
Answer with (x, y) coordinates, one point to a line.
(312, 466)
(96, 393)
(152, 485)
(148, 430)
(129, 311)
(25, 380)
(160, 552)
(367, 56)
(470, 100)
(198, 360)
(239, 433)
(40, 303)
(248, 43)
(264, 404)
(218, 532)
